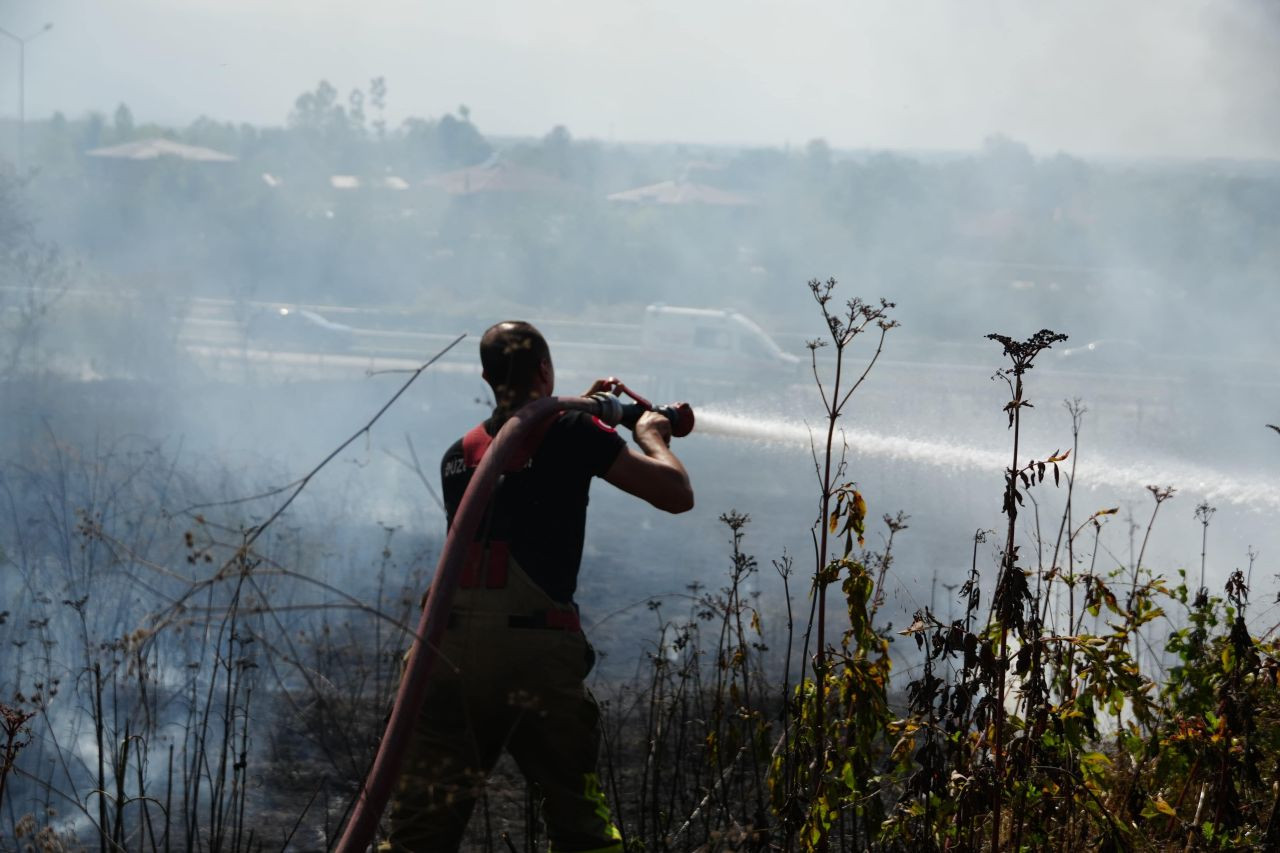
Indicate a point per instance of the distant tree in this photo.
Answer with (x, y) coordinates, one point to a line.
(58, 145)
(331, 136)
(222, 136)
(1007, 155)
(818, 153)
(817, 160)
(355, 109)
(123, 123)
(378, 100)
(556, 154)
(318, 111)
(94, 126)
(756, 167)
(459, 143)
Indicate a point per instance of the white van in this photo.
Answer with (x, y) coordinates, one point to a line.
(712, 344)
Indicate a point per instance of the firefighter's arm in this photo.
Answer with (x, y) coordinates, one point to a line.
(658, 476)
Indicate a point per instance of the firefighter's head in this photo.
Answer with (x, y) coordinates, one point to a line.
(517, 364)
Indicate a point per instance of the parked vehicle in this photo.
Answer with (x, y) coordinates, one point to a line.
(712, 344)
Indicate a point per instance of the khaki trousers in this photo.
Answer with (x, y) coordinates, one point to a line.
(496, 686)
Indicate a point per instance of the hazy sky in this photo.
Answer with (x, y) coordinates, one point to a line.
(1174, 77)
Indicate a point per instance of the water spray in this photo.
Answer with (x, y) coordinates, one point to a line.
(1103, 470)
(514, 443)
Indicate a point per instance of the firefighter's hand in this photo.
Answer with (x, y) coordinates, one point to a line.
(650, 426)
(611, 385)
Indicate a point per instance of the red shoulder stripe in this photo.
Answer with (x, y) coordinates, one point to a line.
(477, 440)
(474, 445)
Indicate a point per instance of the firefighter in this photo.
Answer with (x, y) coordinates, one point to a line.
(514, 659)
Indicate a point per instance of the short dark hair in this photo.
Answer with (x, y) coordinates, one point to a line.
(512, 353)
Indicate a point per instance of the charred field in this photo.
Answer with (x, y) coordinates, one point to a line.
(186, 670)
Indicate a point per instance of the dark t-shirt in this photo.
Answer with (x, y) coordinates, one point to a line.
(541, 510)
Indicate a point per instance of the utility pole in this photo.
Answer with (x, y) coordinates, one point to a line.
(22, 87)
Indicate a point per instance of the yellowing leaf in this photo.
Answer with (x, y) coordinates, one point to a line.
(1094, 760)
(859, 513)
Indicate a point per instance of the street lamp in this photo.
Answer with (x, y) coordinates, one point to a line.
(22, 85)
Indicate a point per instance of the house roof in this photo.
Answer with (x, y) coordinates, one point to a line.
(154, 149)
(496, 175)
(680, 193)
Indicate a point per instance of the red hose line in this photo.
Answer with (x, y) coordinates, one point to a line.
(513, 437)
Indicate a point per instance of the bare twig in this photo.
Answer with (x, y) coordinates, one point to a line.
(251, 536)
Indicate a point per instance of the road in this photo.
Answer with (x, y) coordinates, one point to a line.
(214, 332)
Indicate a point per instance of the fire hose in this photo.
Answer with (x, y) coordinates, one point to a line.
(512, 439)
